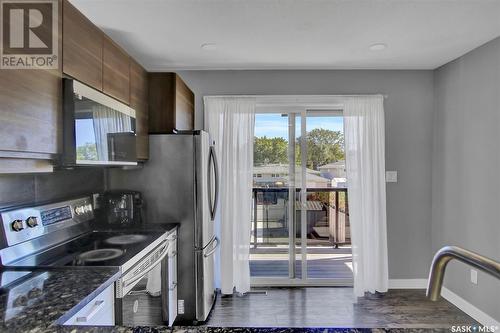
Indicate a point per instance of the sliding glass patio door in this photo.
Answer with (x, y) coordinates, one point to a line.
(300, 225)
(273, 197)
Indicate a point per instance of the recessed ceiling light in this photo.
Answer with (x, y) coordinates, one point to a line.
(378, 47)
(208, 46)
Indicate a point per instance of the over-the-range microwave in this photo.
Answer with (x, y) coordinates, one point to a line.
(98, 130)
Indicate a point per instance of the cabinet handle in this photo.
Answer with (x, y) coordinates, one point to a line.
(98, 305)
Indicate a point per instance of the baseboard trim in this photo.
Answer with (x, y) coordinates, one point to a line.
(407, 283)
(468, 308)
(459, 302)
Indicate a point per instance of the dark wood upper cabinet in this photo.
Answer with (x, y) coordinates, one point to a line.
(93, 58)
(171, 104)
(30, 111)
(115, 71)
(139, 102)
(30, 116)
(184, 105)
(82, 47)
(138, 84)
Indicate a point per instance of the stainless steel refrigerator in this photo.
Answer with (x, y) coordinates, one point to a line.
(180, 184)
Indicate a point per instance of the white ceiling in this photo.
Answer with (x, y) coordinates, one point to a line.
(293, 34)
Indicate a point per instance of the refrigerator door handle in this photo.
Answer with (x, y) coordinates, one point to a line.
(214, 247)
(213, 163)
(206, 245)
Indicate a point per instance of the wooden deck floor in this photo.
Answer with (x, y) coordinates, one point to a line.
(322, 263)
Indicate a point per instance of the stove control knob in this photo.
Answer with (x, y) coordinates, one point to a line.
(17, 225)
(32, 221)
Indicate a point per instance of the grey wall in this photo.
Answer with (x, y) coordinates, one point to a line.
(466, 168)
(61, 184)
(409, 113)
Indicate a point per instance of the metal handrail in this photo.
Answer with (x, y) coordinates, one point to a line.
(447, 253)
(285, 190)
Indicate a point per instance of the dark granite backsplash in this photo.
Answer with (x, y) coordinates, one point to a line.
(61, 184)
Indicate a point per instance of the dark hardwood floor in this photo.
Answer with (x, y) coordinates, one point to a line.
(315, 307)
(335, 307)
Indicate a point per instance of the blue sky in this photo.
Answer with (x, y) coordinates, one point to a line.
(274, 125)
(84, 132)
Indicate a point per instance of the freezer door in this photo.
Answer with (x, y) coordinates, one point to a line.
(209, 283)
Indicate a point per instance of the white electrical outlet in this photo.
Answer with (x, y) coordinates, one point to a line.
(180, 306)
(391, 176)
(473, 276)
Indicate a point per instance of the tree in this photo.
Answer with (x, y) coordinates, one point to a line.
(323, 147)
(270, 150)
(87, 152)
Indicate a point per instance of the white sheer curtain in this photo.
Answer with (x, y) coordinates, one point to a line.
(230, 122)
(365, 164)
(107, 120)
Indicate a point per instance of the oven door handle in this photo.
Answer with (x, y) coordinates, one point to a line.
(165, 250)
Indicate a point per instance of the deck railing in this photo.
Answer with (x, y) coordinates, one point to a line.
(327, 216)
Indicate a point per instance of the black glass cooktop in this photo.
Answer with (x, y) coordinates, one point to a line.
(97, 248)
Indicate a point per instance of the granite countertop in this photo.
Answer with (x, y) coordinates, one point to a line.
(205, 329)
(58, 294)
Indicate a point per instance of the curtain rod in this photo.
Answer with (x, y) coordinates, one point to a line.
(298, 96)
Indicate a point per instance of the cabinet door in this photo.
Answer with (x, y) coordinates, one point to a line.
(115, 72)
(83, 46)
(30, 116)
(171, 104)
(184, 106)
(98, 312)
(161, 103)
(30, 111)
(139, 102)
